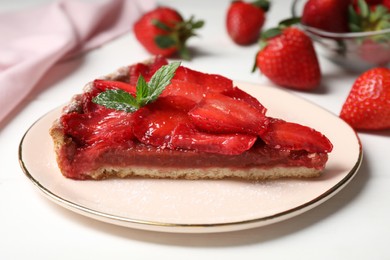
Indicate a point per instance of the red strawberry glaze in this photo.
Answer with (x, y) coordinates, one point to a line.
(154, 124)
(74, 164)
(186, 136)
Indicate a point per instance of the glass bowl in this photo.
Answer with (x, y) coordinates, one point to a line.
(356, 51)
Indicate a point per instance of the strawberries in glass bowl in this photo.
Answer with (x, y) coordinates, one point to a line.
(352, 33)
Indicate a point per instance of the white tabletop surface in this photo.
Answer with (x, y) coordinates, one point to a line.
(354, 224)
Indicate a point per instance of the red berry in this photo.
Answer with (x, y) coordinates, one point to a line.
(367, 106)
(154, 123)
(289, 60)
(244, 22)
(163, 31)
(213, 82)
(386, 3)
(104, 126)
(146, 70)
(194, 85)
(239, 94)
(218, 113)
(327, 15)
(292, 136)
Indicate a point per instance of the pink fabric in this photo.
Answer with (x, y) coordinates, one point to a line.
(32, 41)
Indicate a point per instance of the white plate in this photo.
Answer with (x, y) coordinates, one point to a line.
(204, 205)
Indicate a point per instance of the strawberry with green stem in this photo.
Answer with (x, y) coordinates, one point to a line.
(163, 31)
(287, 57)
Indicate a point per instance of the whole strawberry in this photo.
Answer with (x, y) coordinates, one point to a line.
(386, 3)
(163, 31)
(327, 15)
(287, 57)
(245, 20)
(367, 106)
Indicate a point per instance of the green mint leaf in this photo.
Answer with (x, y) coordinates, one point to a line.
(142, 91)
(161, 79)
(145, 92)
(117, 99)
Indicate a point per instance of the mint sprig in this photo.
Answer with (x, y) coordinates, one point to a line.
(145, 92)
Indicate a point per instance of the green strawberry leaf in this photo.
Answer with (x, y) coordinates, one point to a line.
(364, 9)
(353, 17)
(197, 25)
(161, 25)
(270, 33)
(263, 4)
(254, 66)
(289, 22)
(165, 41)
(145, 92)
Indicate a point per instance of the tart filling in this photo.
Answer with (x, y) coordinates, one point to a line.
(199, 126)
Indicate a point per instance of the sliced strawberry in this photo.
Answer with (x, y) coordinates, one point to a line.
(145, 69)
(239, 94)
(292, 136)
(194, 85)
(88, 105)
(188, 90)
(155, 122)
(174, 102)
(104, 85)
(211, 82)
(185, 136)
(218, 113)
(104, 126)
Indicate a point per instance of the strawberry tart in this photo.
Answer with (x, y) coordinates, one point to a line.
(163, 120)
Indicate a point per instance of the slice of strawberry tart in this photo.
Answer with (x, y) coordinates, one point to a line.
(162, 120)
